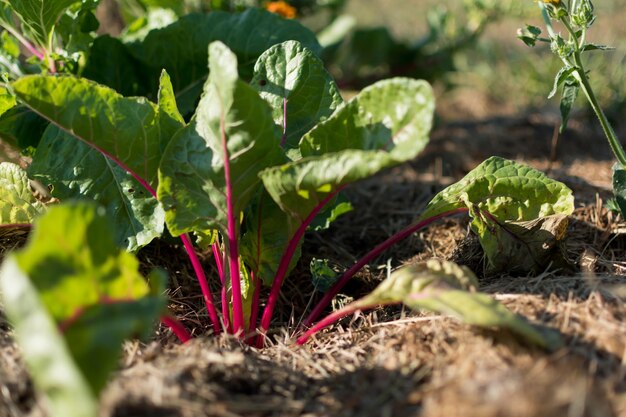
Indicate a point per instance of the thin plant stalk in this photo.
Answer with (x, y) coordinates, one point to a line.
(581, 75)
(232, 246)
(371, 255)
(283, 266)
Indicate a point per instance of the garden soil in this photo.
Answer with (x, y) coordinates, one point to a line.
(391, 361)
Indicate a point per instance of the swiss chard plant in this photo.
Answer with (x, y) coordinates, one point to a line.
(242, 156)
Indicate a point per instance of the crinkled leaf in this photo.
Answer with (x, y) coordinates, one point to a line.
(505, 189)
(523, 247)
(181, 48)
(72, 279)
(192, 184)
(386, 124)
(78, 171)
(130, 129)
(18, 205)
(38, 17)
(293, 80)
(444, 287)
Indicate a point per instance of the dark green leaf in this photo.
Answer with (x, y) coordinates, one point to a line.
(22, 128)
(570, 92)
(619, 187)
(77, 171)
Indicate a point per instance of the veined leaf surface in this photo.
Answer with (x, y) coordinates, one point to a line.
(192, 183)
(72, 296)
(129, 129)
(293, 80)
(40, 16)
(386, 124)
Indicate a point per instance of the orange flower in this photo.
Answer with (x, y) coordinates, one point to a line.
(554, 2)
(281, 8)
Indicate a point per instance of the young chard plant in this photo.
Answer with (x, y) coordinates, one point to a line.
(576, 17)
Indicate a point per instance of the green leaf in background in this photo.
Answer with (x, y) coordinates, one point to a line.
(192, 185)
(154, 18)
(290, 75)
(322, 274)
(22, 128)
(499, 193)
(77, 171)
(130, 129)
(386, 124)
(444, 287)
(18, 205)
(38, 17)
(181, 48)
(72, 298)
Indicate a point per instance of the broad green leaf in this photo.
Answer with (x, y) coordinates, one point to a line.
(444, 287)
(295, 83)
(111, 64)
(181, 48)
(129, 129)
(192, 182)
(505, 189)
(78, 171)
(386, 124)
(38, 17)
(18, 205)
(72, 296)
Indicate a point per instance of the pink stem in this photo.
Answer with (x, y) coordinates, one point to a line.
(204, 285)
(218, 259)
(29, 46)
(177, 328)
(233, 249)
(281, 271)
(374, 253)
(333, 317)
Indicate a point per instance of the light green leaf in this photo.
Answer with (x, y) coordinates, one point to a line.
(7, 100)
(192, 185)
(77, 171)
(505, 189)
(72, 296)
(294, 82)
(386, 124)
(38, 17)
(129, 129)
(444, 287)
(18, 205)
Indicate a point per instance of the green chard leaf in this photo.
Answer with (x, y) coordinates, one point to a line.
(78, 171)
(499, 193)
(293, 80)
(18, 205)
(132, 130)
(22, 128)
(7, 100)
(444, 287)
(192, 184)
(181, 48)
(386, 124)
(72, 296)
